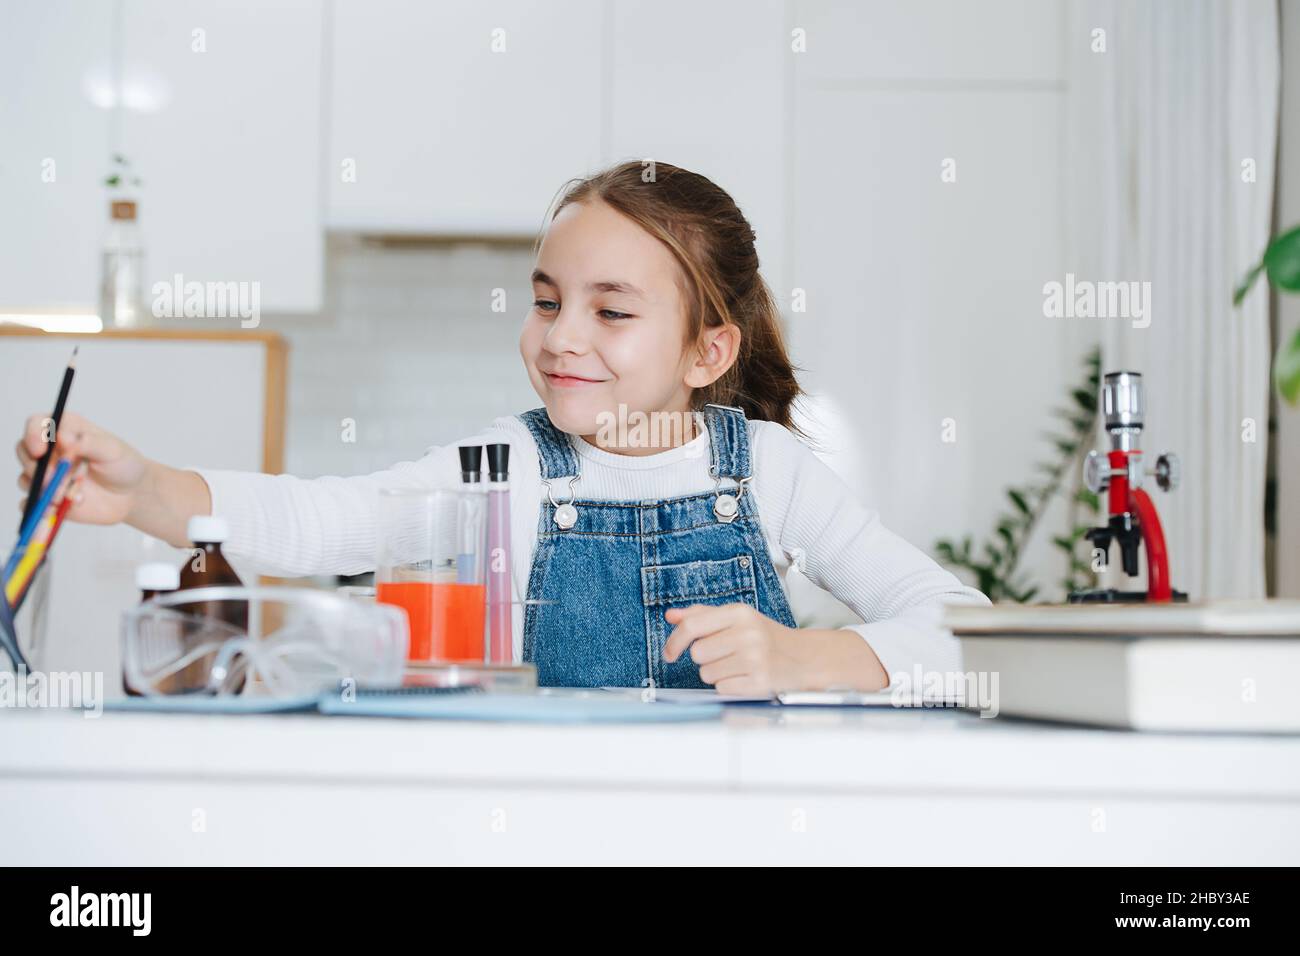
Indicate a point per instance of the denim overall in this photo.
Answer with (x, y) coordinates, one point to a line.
(605, 572)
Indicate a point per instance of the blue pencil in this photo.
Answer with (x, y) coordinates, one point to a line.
(30, 528)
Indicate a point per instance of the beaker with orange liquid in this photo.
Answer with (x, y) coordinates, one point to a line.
(430, 563)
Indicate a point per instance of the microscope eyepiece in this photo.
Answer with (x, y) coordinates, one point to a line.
(1122, 402)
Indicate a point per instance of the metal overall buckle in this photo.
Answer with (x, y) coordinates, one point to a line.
(726, 506)
(566, 515)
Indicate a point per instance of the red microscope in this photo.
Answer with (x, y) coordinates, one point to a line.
(1133, 517)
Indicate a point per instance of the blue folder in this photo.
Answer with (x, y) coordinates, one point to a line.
(547, 706)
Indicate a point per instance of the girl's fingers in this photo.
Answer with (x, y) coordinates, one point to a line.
(697, 621)
(743, 686)
(724, 643)
(74, 438)
(728, 665)
(24, 456)
(36, 434)
(85, 442)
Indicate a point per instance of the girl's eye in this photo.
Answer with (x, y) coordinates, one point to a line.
(545, 305)
(611, 314)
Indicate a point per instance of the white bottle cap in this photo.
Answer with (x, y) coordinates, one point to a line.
(157, 577)
(208, 529)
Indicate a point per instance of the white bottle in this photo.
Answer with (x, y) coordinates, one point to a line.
(157, 578)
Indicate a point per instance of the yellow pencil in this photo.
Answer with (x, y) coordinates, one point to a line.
(30, 559)
(43, 537)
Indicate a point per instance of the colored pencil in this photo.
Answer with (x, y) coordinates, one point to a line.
(24, 539)
(56, 522)
(34, 493)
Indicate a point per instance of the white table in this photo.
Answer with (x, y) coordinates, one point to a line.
(761, 785)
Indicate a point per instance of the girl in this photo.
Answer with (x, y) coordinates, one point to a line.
(656, 556)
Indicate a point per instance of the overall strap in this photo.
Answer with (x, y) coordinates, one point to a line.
(728, 441)
(554, 449)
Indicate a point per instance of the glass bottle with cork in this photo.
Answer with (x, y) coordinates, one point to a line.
(121, 298)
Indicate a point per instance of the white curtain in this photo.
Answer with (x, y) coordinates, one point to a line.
(1171, 136)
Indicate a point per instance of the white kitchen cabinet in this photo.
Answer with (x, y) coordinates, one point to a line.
(53, 152)
(931, 43)
(702, 85)
(220, 116)
(432, 130)
(230, 153)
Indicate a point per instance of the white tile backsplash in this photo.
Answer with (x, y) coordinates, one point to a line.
(407, 346)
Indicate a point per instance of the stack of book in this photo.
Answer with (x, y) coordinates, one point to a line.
(1222, 666)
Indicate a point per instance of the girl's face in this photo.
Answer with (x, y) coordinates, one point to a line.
(608, 324)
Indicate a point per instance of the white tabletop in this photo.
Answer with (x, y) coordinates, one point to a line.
(935, 763)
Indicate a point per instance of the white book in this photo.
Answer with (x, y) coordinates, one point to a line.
(1221, 666)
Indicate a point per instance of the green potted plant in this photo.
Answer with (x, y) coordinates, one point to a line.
(1281, 263)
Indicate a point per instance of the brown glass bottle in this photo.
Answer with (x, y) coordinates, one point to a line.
(207, 567)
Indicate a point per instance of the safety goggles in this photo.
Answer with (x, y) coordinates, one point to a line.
(268, 641)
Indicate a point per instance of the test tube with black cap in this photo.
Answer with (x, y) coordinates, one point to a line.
(471, 465)
(499, 593)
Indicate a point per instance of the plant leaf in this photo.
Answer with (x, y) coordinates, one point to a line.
(1286, 370)
(1282, 261)
(1006, 536)
(1244, 287)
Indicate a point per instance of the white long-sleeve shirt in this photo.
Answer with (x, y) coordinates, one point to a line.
(288, 527)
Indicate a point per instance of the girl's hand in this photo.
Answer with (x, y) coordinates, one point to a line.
(115, 472)
(740, 651)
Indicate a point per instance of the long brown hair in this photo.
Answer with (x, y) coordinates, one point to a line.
(713, 243)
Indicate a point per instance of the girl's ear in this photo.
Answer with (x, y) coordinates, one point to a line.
(718, 351)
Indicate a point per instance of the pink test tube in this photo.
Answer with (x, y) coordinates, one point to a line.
(499, 593)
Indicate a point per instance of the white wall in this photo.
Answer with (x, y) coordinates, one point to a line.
(924, 297)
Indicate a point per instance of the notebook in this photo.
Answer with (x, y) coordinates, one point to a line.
(789, 698)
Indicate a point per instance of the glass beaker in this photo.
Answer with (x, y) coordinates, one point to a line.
(430, 563)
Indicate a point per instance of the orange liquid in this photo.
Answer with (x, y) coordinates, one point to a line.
(446, 619)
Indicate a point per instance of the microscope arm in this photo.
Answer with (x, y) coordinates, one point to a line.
(1153, 536)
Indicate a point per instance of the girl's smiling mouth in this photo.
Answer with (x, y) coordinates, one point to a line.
(570, 381)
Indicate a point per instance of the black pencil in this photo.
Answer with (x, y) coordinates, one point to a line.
(38, 479)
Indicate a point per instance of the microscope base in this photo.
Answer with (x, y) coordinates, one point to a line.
(1116, 596)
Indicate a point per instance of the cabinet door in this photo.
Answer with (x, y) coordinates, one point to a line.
(702, 85)
(54, 64)
(225, 133)
(460, 116)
